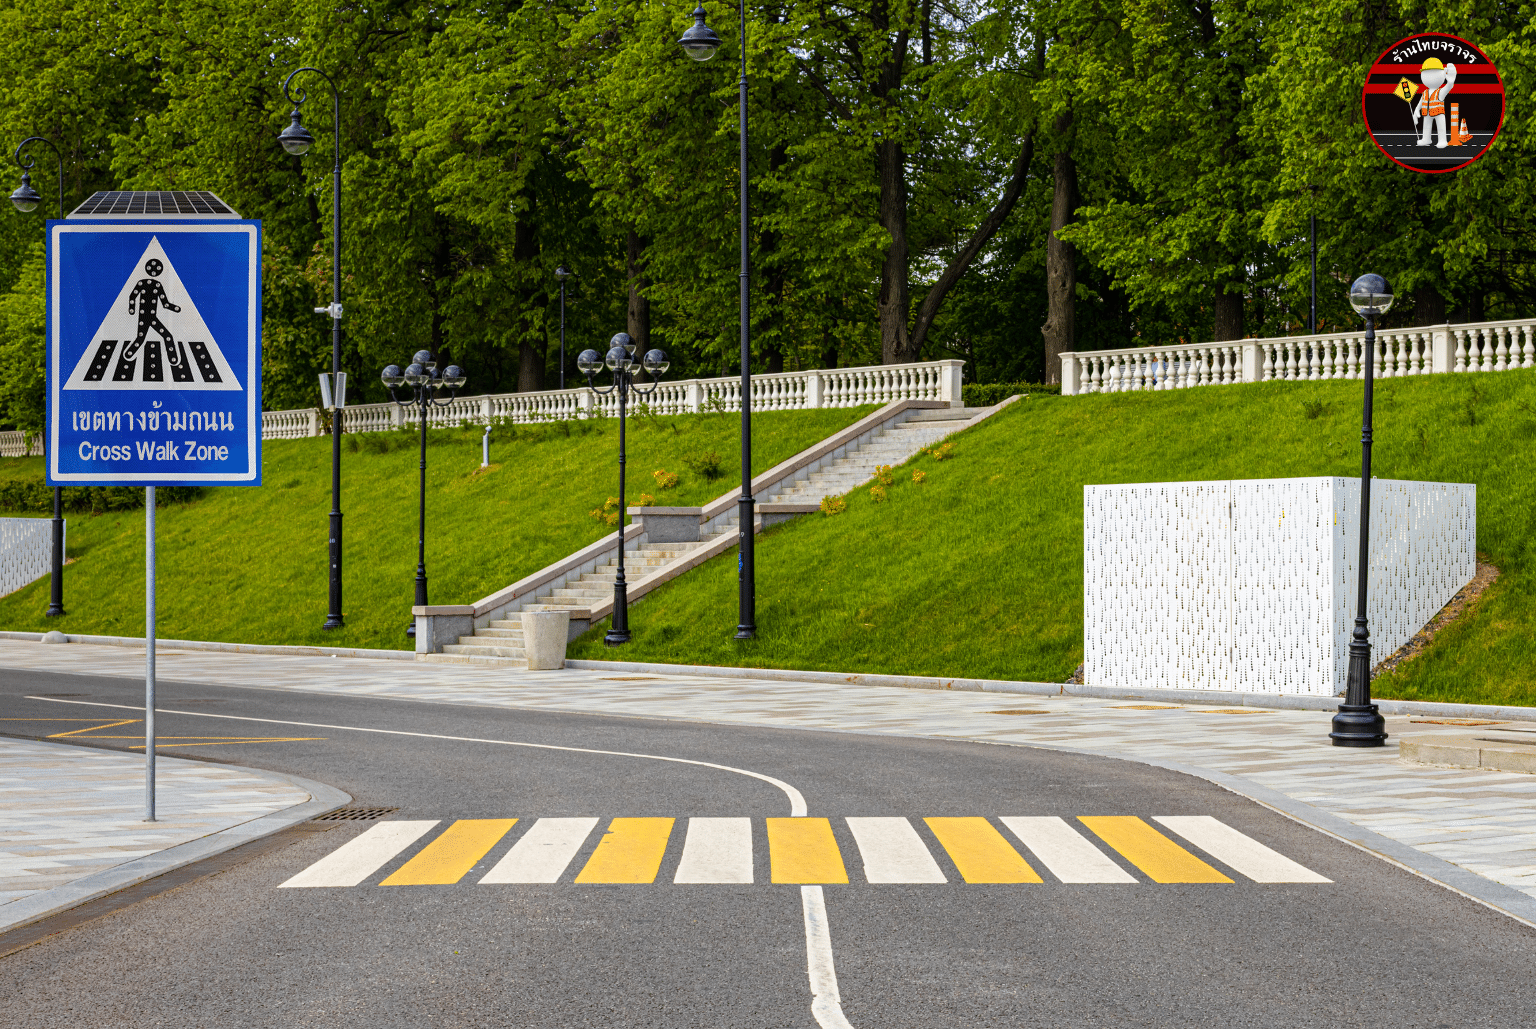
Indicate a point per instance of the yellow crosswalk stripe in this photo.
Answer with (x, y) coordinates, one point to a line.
(803, 850)
(629, 852)
(449, 858)
(980, 852)
(1149, 850)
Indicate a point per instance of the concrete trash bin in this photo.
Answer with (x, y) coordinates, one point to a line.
(544, 637)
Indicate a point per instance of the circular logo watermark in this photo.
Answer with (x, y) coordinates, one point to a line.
(1433, 102)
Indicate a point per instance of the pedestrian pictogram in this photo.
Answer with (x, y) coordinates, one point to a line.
(136, 349)
(1433, 102)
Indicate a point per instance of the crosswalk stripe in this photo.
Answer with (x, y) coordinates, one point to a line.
(893, 852)
(359, 858)
(1242, 852)
(543, 853)
(1062, 849)
(803, 850)
(1149, 850)
(629, 852)
(980, 852)
(456, 850)
(716, 850)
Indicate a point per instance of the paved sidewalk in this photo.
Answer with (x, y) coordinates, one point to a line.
(1483, 822)
(69, 814)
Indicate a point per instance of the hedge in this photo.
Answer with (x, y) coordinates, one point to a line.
(986, 394)
(38, 496)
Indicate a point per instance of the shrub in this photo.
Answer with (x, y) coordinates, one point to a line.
(833, 505)
(883, 475)
(987, 394)
(37, 496)
(942, 452)
(706, 464)
(664, 479)
(608, 514)
(877, 494)
(646, 500)
(918, 478)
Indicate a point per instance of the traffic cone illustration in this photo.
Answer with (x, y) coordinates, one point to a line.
(1459, 133)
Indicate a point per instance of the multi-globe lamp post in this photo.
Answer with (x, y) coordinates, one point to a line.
(296, 140)
(621, 362)
(1358, 722)
(700, 43)
(423, 383)
(26, 200)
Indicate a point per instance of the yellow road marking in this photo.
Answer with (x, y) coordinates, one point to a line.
(161, 741)
(1149, 850)
(629, 852)
(449, 858)
(980, 852)
(803, 850)
(92, 728)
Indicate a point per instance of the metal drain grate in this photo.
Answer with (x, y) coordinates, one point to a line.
(355, 814)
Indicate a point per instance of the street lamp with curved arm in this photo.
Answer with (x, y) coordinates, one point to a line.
(296, 140)
(25, 199)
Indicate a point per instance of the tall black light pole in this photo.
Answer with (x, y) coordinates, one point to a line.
(425, 383)
(562, 274)
(296, 140)
(1358, 722)
(700, 43)
(621, 361)
(1312, 234)
(26, 200)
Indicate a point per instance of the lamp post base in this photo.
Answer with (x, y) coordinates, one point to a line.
(616, 638)
(1358, 725)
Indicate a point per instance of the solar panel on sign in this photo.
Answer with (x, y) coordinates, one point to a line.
(137, 204)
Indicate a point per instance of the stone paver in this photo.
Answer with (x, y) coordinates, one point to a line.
(67, 812)
(1484, 822)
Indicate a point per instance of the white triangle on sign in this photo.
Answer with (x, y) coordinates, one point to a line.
(153, 347)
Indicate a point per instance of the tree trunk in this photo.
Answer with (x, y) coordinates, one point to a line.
(895, 344)
(530, 366)
(1428, 306)
(1229, 315)
(639, 307)
(1060, 328)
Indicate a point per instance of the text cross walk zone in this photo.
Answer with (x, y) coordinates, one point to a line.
(1033, 850)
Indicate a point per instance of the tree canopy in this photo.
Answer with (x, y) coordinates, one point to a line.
(929, 178)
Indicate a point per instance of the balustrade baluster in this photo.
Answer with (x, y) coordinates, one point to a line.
(1502, 363)
(1461, 349)
(1528, 349)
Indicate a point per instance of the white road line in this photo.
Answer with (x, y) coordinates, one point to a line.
(716, 850)
(543, 853)
(1066, 852)
(359, 858)
(826, 1006)
(893, 852)
(1244, 853)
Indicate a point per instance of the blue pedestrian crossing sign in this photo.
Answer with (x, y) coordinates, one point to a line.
(154, 343)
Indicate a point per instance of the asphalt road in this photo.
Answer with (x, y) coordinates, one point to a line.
(1375, 946)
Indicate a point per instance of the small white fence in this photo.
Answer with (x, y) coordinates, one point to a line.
(21, 444)
(1479, 347)
(26, 551)
(1250, 586)
(784, 391)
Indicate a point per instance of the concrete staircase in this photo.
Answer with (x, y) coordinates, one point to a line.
(584, 586)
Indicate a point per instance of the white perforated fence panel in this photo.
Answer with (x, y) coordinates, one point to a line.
(26, 550)
(1250, 585)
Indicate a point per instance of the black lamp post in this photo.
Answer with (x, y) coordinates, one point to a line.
(26, 199)
(562, 274)
(621, 361)
(1358, 723)
(296, 140)
(700, 43)
(424, 382)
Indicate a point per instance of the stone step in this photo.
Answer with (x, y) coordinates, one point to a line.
(586, 597)
(473, 659)
(473, 649)
(492, 632)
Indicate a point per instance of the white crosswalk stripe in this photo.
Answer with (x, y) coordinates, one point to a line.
(893, 852)
(543, 853)
(357, 859)
(1066, 852)
(1239, 851)
(716, 850)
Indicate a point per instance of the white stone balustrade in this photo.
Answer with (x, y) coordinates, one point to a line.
(1480, 347)
(782, 391)
(21, 444)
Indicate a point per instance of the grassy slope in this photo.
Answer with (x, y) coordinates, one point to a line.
(249, 565)
(978, 572)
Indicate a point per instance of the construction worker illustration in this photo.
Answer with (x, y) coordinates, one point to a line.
(147, 298)
(1438, 78)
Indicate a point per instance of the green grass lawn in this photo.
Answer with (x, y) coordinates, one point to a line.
(249, 565)
(978, 571)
